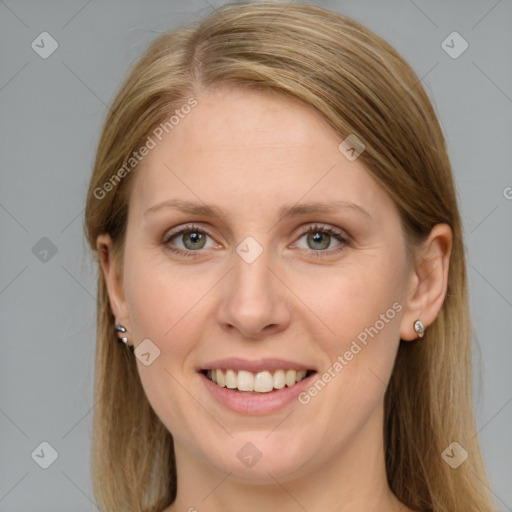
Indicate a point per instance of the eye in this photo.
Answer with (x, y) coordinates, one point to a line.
(192, 238)
(318, 238)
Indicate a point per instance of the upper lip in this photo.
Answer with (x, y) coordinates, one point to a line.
(259, 365)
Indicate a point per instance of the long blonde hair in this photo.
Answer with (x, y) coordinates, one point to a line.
(360, 85)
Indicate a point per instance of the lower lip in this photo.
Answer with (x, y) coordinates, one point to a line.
(264, 403)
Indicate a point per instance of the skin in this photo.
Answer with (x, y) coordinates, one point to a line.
(250, 154)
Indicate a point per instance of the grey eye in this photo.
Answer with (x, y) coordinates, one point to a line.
(322, 240)
(196, 240)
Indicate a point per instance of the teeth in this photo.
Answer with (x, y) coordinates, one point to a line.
(289, 377)
(261, 382)
(245, 381)
(231, 381)
(220, 379)
(279, 381)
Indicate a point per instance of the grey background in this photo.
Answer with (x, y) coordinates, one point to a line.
(51, 111)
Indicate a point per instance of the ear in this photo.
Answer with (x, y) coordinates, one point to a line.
(428, 282)
(113, 278)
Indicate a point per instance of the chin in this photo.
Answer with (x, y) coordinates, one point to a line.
(259, 459)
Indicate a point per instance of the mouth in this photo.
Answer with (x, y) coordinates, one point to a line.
(255, 383)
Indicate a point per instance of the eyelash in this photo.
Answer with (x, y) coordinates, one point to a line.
(191, 228)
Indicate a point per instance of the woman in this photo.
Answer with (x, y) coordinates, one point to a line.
(282, 261)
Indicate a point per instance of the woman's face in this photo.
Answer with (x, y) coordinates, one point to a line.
(294, 260)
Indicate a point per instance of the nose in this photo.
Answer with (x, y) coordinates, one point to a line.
(255, 300)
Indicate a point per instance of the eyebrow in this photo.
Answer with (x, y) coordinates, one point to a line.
(285, 212)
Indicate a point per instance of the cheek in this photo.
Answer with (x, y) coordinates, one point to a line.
(163, 307)
(360, 308)
(149, 300)
(168, 305)
(156, 297)
(352, 301)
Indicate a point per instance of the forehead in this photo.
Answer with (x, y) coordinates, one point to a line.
(248, 122)
(237, 144)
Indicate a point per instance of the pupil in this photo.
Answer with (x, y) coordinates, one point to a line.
(320, 238)
(194, 238)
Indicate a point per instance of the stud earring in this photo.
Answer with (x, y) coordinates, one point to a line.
(419, 328)
(122, 329)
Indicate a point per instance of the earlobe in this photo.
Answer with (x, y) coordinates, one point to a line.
(430, 283)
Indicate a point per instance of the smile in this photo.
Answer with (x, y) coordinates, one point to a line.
(256, 382)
